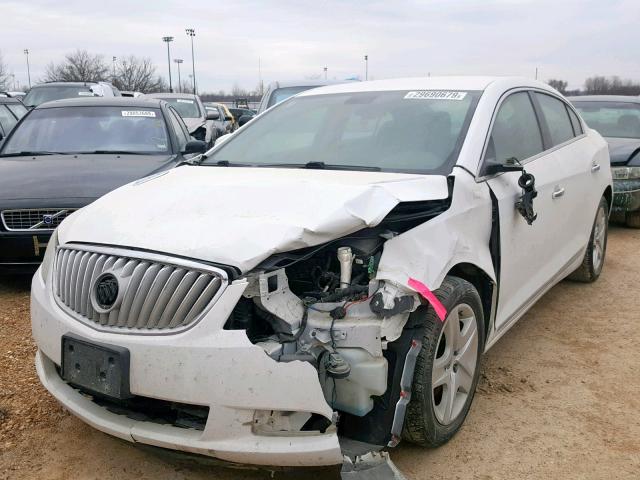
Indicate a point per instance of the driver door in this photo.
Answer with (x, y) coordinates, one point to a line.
(528, 261)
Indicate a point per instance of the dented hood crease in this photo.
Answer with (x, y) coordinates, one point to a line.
(241, 216)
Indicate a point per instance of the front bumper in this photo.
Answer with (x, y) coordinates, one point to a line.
(22, 251)
(626, 196)
(205, 366)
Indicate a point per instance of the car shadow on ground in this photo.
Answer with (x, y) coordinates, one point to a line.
(15, 283)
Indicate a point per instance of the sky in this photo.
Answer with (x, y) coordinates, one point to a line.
(243, 41)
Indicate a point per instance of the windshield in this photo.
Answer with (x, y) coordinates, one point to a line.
(90, 129)
(611, 119)
(417, 131)
(282, 94)
(38, 95)
(186, 107)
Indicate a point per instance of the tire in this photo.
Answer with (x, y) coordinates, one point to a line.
(593, 261)
(426, 422)
(633, 219)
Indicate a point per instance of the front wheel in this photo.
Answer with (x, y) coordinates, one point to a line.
(447, 367)
(593, 260)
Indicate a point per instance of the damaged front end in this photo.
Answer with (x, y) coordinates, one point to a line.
(325, 306)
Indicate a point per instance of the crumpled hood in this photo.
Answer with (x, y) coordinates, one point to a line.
(241, 216)
(621, 150)
(193, 123)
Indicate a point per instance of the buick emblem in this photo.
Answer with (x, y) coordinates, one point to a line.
(106, 291)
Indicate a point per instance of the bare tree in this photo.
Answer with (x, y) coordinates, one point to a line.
(138, 75)
(79, 66)
(559, 85)
(4, 75)
(238, 92)
(611, 86)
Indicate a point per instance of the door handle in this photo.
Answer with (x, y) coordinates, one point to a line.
(595, 168)
(557, 193)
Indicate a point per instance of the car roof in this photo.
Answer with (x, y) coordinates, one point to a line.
(9, 100)
(65, 84)
(307, 83)
(139, 102)
(472, 83)
(190, 96)
(604, 98)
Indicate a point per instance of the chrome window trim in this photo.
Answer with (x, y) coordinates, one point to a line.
(138, 255)
(482, 178)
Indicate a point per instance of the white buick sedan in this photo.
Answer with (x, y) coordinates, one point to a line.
(326, 281)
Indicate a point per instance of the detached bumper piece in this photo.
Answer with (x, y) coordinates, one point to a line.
(372, 466)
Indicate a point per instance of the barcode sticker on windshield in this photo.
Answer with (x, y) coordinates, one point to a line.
(436, 95)
(182, 100)
(138, 113)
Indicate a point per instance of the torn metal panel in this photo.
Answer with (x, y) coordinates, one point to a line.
(372, 466)
(459, 235)
(240, 216)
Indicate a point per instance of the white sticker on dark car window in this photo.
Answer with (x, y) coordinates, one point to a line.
(138, 113)
(436, 95)
(85, 94)
(182, 100)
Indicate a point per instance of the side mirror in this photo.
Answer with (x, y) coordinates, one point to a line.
(244, 119)
(195, 146)
(510, 165)
(212, 115)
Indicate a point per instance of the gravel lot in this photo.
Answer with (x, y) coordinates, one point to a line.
(559, 398)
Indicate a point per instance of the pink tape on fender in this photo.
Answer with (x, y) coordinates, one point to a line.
(428, 295)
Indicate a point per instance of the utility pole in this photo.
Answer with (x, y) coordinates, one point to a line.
(536, 73)
(26, 52)
(192, 33)
(113, 76)
(366, 67)
(179, 61)
(260, 76)
(169, 40)
(325, 73)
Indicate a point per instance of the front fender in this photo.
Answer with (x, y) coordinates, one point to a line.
(459, 235)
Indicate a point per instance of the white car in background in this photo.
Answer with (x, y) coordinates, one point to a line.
(326, 282)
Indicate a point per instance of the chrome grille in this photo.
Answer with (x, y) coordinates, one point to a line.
(159, 293)
(34, 219)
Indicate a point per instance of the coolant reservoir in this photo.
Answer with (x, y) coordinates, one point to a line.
(353, 394)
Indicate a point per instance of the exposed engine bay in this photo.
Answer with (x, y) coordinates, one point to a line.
(323, 305)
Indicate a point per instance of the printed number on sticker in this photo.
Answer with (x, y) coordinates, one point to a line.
(138, 113)
(436, 95)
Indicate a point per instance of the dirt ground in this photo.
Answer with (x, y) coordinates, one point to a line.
(559, 398)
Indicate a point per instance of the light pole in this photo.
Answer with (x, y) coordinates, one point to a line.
(325, 73)
(168, 40)
(113, 77)
(192, 33)
(366, 67)
(179, 61)
(26, 52)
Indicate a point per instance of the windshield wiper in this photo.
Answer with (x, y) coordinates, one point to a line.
(111, 152)
(32, 154)
(322, 166)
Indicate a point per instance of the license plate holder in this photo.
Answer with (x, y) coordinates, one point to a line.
(96, 367)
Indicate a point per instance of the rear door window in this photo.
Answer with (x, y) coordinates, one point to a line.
(575, 122)
(557, 117)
